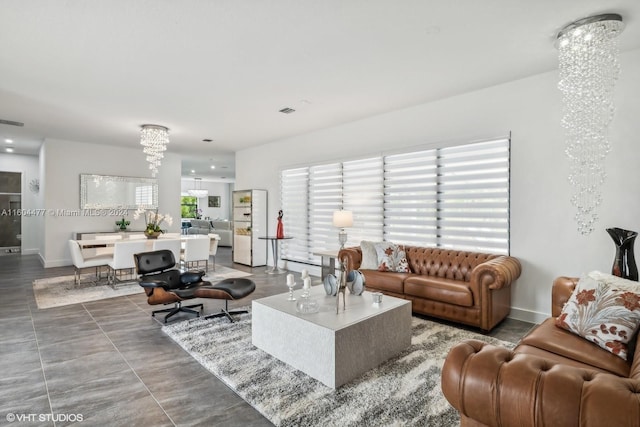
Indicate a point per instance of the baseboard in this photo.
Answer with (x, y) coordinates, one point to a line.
(527, 315)
(55, 263)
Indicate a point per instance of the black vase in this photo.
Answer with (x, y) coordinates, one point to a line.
(624, 264)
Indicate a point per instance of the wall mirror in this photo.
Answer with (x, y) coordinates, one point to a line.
(117, 192)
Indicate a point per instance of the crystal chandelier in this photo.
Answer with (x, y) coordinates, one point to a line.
(197, 191)
(154, 139)
(588, 53)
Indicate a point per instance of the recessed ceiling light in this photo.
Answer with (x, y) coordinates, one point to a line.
(8, 150)
(8, 141)
(192, 171)
(213, 167)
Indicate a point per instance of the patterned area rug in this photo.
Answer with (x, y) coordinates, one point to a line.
(60, 291)
(404, 391)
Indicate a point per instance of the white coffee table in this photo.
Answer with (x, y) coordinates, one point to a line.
(332, 348)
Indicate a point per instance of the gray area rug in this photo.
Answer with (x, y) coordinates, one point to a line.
(404, 391)
(61, 291)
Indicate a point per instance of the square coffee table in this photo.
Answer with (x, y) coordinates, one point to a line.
(332, 348)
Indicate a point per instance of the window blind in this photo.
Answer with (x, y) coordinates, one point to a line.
(362, 194)
(294, 188)
(453, 197)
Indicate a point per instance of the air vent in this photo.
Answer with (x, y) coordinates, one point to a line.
(11, 123)
(287, 110)
(207, 140)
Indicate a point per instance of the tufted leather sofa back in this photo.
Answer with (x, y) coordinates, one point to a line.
(444, 263)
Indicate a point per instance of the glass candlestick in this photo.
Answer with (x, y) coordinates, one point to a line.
(290, 284)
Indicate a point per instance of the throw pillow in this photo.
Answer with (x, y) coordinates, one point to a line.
(604, 309)
(391, 257)
(369, 256)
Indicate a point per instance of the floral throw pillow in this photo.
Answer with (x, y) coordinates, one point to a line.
(391, 257)
(604, 309)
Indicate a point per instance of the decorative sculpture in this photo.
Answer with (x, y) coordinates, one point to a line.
(342, 286)
(280, 228)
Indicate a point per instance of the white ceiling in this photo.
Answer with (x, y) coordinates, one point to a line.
(94, 71)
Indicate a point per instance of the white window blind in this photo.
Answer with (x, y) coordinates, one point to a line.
(452, 197)
(362, 194)
(411, 198)
(473, 196)
(295, 205)
(325, 197)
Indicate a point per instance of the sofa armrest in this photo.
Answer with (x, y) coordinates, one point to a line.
(353, 256)
(495, 386)
(560, 292)
(497, 273)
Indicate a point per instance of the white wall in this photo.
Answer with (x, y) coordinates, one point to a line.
(62, 162)
(31, 224)
(222, 189)
(543, 232)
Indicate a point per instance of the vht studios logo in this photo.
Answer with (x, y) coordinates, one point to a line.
(74, 418)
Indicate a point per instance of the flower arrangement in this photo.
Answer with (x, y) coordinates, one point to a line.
(152, 220)
(122, 224)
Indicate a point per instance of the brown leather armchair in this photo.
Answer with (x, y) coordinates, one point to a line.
(552, 378)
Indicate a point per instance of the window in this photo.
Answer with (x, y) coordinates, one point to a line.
(188, 207)
(144, 195)
(451, 197)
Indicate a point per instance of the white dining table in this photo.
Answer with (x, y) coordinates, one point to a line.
(105, 245)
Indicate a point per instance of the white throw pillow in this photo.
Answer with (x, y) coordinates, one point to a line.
(369, 256)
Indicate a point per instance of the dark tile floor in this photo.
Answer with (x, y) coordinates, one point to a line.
(108, 361)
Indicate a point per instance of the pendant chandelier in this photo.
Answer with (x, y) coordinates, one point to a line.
(197, 191)
(588, 64)
(154, 139)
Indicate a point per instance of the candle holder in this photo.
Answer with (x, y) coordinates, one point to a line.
(291, 285)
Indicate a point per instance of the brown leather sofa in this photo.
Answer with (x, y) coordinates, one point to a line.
(552, 378)
(465, 287)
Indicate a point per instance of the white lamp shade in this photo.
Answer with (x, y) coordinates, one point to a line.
(342, 219)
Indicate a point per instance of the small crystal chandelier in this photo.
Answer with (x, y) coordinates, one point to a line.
(197, 191)
(588, 52)
(154, 139)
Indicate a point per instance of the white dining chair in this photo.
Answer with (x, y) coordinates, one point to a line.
(123, 259)
(196, 251)
(174, 245)
(213, 247)
(80, 262)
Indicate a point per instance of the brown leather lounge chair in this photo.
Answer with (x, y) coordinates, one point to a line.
(164, 284)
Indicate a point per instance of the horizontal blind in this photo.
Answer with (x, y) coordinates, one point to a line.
(294, 190)
(325, 197)
(410, 198)
(455, 197)
(362, 194)
(473, 195)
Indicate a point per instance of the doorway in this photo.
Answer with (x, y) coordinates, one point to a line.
(10, 212)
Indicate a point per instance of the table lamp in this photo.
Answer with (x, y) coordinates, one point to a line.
(342, 219)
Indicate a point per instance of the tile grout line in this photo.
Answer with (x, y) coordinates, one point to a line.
(44, 375)
(127, 362)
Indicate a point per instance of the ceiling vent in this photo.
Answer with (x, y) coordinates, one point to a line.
(287, 110)
(11, 123)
